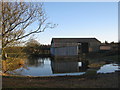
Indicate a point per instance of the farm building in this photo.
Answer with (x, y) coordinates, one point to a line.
(73, 46)
(109, 47)
(104, 47)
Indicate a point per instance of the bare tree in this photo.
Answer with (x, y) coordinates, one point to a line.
(32, 42)
(17, 17)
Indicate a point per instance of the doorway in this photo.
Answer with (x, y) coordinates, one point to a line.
(83, 47)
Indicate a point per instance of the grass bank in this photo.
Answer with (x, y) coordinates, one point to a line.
(101, 81)
(106, 56)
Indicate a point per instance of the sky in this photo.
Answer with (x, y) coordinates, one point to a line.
(81, 20)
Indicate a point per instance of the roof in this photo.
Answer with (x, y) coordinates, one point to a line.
(74, 40)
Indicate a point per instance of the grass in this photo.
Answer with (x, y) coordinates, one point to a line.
(12, 63)
(96, 64)
(97, 57)
(102, 81)
(17, 55)
(91, 74)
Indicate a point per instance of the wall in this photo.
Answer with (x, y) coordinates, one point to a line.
(64, 51)
(105, 47)
(94, 46)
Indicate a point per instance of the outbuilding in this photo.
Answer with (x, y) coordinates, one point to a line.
(73, 46)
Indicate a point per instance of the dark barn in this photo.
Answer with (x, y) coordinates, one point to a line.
(73, 46)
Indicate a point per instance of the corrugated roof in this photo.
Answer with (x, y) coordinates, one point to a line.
(74, 40)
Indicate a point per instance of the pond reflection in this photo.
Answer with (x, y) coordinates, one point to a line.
(67, 66)
(35, 61)
(37, 66)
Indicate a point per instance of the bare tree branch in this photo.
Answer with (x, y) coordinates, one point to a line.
(17, 17)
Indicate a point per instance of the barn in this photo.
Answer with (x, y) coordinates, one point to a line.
(73, 46)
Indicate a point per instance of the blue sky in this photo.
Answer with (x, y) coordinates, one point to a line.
(81, 20)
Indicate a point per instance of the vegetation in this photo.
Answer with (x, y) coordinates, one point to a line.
(83, 81)
(16, 18)
(34, 48)
(20, 52)
(96, 64)
(12, 64)
(112, 56)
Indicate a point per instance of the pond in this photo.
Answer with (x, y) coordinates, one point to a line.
(48, 67)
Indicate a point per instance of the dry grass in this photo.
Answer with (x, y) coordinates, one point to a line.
(102, 81)
(12, 63)
(96, 64)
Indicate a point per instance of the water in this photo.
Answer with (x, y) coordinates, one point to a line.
(109, 68)
(48, 67)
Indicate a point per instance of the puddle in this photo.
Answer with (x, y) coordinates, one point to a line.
(109, 68)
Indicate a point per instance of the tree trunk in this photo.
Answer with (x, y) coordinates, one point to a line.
(4, 65)
(3, 54)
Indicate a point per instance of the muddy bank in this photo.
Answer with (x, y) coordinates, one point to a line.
(101, 81)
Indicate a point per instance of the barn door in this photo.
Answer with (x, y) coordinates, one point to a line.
(84, 47)
(79, 48)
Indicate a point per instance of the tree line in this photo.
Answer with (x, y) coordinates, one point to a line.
(41, 50)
